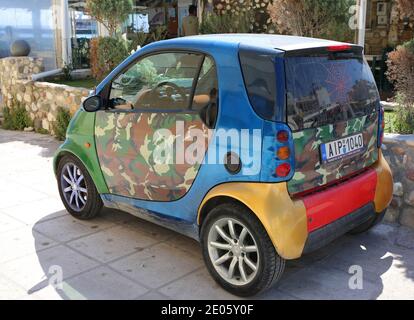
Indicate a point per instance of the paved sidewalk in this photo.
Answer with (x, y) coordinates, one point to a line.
(117, 256)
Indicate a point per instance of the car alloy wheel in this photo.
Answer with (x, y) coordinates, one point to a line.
(74, 186)
(233, 251)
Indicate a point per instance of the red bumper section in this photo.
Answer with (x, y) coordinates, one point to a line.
(335, 202)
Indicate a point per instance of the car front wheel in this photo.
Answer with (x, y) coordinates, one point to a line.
(77, 190)
(238, 252)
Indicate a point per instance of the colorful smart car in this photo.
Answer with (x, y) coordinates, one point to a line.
(262, 147)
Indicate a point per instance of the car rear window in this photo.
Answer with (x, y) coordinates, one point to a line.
(326, 89)
(260, 82)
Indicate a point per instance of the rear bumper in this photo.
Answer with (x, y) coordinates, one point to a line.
(326, 234)
(334, 212)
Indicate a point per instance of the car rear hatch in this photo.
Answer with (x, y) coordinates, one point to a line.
(333, 111)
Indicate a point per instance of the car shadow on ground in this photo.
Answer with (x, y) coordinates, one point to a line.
(87, 251)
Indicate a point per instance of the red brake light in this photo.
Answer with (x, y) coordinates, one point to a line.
(282, 136)
(341, 47)
(283, 170)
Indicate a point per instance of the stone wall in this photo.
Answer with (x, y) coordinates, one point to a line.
(41, 99)
(399, 152)
(19, 68)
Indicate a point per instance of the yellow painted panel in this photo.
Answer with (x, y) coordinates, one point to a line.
(384, 189)
(283, 218)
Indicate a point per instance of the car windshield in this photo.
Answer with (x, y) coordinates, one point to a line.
(326, 89)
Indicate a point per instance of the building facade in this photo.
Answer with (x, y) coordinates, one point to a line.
(386, 26)
(59, 30)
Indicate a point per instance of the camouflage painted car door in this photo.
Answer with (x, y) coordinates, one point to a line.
(151, 111)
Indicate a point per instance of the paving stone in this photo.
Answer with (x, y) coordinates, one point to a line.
(153, 230)
(405, 237)
(44, 178)
(113, 243)
(37, 211)
(195, 286)
(21, 242)
(9, 290)
(68, 228)
(185, 243)
(34, 272)
(398, 282)
(103, 283)
(157, 265)
(327, 284)
(153, 295)
(8, 223)
(13, 194)
(47, 293)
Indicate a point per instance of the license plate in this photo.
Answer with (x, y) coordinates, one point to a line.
(341, 148)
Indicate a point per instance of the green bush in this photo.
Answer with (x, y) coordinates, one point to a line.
(61, 124)
(403, 118)
(7, 119)
(409, 45)
(67, 69)
(16, 118)
(106, 53)
(389, 121)
(42, 131)
(141, 39)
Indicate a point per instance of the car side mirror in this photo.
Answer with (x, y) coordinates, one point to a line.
(92, 103)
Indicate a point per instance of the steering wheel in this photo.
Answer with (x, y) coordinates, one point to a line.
(171, 88)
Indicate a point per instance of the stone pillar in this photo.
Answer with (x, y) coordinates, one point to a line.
(13, 69)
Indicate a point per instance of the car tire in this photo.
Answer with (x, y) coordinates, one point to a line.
(73, 179)
(367, 225)
(269, 265)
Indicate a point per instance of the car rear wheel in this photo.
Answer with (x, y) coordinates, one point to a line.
(238, 252)
(77, 190)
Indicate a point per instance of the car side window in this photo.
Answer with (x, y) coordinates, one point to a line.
(206, 91)
(161, 81)
(260, 81)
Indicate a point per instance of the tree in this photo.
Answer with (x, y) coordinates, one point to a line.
(111, 13)
(106, 53)
(401, 71)
(406, 8)
(312, 18)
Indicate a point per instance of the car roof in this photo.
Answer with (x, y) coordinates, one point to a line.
(268, 41)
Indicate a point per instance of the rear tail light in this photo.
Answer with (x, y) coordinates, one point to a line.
(278, 153)
(283, 153)
(282, 136)
(283, 170)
